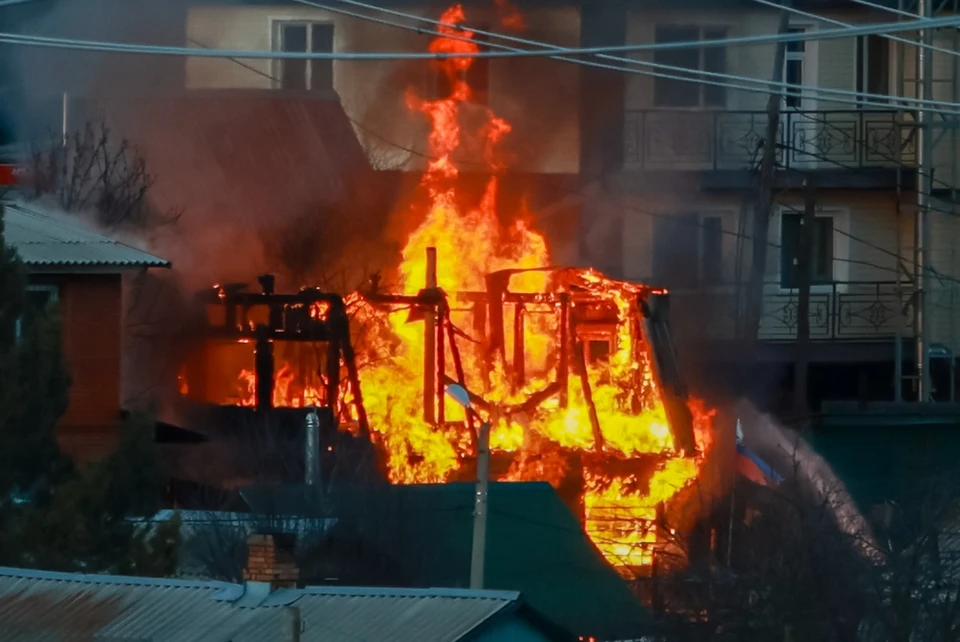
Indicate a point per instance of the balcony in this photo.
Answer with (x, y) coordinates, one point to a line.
(839, 311)
(730, 140)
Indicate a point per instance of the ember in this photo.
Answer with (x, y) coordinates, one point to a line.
(562, 360)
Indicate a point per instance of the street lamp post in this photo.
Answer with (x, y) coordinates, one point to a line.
(460, 395)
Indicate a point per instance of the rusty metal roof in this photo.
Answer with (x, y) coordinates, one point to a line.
(45, 238)
(67, 606)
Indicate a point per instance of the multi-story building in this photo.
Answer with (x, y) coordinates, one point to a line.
(667, 167)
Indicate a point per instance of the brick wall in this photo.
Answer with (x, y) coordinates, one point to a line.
(270, 559)
(90, 310)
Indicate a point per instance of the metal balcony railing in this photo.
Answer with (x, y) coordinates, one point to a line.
(850, 310)
(675, 139)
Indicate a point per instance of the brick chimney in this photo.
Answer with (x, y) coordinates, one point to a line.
(270, 559)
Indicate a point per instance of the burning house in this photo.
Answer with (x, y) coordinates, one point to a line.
(576, 371)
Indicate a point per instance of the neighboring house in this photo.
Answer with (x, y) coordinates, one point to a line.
(680, 193)
(420, 536)
(667, 166)
(38, 605)
(82, 270)
(538, 97)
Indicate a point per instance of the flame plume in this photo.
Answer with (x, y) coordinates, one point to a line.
(471, 242)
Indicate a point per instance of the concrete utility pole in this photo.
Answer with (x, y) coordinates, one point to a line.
(478, 555)
(924, 190)
(764, 202)
(804, 279)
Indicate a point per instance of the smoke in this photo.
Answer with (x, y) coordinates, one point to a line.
(789, 453)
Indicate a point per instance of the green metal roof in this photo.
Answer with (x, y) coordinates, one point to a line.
(535, 545)
(46, 239)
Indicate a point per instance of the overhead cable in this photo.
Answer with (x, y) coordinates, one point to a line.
(840, 23)
(756, 85)
(166, 50)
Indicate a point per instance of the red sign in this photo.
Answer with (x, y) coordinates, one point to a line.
(8, 175)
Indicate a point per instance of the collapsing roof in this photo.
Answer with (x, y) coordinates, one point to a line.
(43, 605)
(47, 239)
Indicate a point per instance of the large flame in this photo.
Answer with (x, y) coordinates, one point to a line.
(471, 241)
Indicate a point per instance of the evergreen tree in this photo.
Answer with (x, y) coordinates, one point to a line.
(53, 516)
(33, 389)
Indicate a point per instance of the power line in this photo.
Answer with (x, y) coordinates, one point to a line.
(165, 50)
(759, 86)
(756, 85)
(880, 7)
(840, 23)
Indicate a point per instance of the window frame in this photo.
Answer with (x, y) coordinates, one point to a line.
(841, 248)
(702, 28)
(861, 71)
(54, 291)
(702, 215)
(277, 25)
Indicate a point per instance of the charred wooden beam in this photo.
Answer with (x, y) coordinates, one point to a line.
(496, 289)
(430, 344)
(519, 376)
(666, 372)
(263, 369)
(338, 316)
(537, 398)
(598, 441)
(441, 360)
(563, 358)
(333, 374)
(461, 378)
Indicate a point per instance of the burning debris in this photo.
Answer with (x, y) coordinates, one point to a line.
(575, 370)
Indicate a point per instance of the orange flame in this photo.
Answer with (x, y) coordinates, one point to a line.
(471, 242)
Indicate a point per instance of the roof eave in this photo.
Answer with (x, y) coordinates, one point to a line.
(80, 268)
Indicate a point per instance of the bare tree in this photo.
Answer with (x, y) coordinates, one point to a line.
(799, 573)
(96, 170)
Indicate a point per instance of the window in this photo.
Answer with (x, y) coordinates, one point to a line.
(823, 250)
(793, 72)
(36, 300)
(687, 251)
(712, 250)
(668, 92)
(873, 66)
(675, 249)
(314, 75)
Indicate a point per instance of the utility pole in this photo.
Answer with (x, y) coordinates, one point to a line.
(924, 189)
(804, 279)
(764, 202)
(478, 555)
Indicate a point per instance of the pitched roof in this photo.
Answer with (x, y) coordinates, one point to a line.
(535, 545)
(45, 605)
(236, 155)
(45, 238)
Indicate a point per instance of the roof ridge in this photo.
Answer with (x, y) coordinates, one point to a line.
(129, 580)
(441, 592)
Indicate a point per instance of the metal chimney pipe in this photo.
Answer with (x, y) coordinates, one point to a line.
(311, 455)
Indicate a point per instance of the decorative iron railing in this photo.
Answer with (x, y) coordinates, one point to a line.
(675, 139)
(851, 310)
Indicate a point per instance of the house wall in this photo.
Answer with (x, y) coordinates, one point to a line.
(538, 97)
(687, 139)
(90, 309)
(867, 233)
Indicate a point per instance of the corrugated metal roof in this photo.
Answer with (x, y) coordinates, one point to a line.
(45, 238)
(66, 606)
